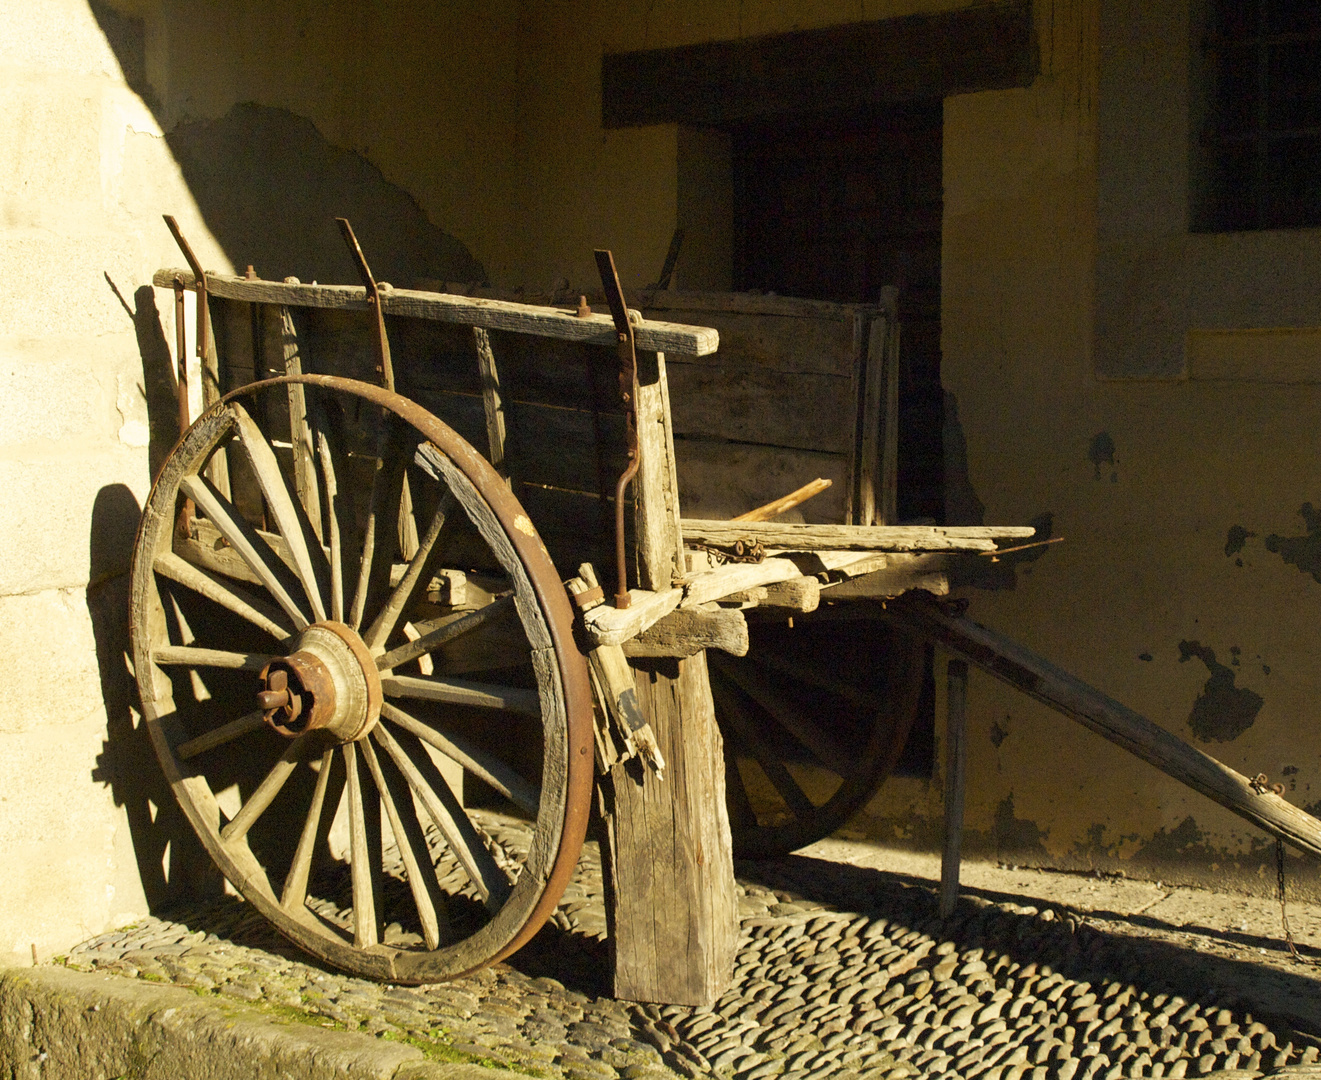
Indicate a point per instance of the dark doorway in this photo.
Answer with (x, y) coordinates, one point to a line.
(836, 210)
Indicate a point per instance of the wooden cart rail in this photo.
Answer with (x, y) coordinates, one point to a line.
(440, 307)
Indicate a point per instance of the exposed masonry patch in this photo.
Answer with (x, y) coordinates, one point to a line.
(1102, 452)
(1013, 835)
(1223, 711)
(1303, 552)
(1234, 541)
(999, 732)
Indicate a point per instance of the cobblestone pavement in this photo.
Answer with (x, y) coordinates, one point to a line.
(843, 971)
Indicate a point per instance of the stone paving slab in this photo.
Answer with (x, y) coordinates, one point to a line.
(57, 1024)
(843, 971)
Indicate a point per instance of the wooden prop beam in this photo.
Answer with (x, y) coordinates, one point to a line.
(1038, 678)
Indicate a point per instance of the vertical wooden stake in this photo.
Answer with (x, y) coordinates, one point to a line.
(492, 404)
(956, 760)
(671, 902)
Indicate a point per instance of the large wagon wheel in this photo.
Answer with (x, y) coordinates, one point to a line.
(296, 669)
(814, 719)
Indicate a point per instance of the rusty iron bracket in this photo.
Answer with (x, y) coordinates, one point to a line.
(183, 523)
(384, 368)
(628, 392)
(199, 279)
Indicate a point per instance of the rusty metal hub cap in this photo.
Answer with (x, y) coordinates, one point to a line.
(329, 681)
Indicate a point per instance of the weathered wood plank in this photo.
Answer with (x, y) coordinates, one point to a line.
(822, 345)
(488, 314)
(656, 495)
(796, 537)
(733, 577)
(492, 403)
(800, 594)
(671, 901)
(719, 479)
(690, 630)
(609, 625)
(872, 437)
(804, 411)
(903, 572)
(676, 300)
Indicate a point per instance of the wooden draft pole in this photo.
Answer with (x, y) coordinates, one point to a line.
(1022, 669)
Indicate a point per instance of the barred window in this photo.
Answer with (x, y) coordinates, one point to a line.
(1260, 146)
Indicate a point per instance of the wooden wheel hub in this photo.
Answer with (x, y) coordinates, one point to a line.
(328, 682)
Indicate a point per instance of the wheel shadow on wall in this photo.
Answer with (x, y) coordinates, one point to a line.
(172, 864)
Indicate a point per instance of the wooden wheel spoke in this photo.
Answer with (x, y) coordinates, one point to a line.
(334, 509)
(219, 736)
(380, 536)
(432, 639)
(463, 692)
(444, 809)
(300, 430)
(288, 519)
(294, 894)
(746, 729)
(477, 761)
(243, 538)
(261, 615)
(265, 792)
(383, 626)
(188, 656)
(410, 841)
(364, 866)
(790, 717)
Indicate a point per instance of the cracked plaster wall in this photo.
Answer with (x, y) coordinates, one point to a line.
(1185, 586)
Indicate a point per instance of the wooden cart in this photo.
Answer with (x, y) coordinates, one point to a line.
(342, 612)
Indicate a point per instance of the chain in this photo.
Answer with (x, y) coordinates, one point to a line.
(1284, 915)
(741, 551)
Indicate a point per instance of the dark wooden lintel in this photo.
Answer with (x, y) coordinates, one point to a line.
(836, 69)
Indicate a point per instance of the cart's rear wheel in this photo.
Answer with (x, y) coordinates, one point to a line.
(814, 719)
(317, 675)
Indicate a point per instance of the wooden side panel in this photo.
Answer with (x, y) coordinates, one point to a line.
(823, 344)
(775, 408)
(671, 901)
(722, 479)
(805, 411)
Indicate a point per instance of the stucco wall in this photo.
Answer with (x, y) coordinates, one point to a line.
(86, 175)
(1156, 596)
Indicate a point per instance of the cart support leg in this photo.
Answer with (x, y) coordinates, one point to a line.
(956, 761)
(671, 904)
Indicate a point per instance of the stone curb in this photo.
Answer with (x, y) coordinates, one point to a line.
(67, 1025)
